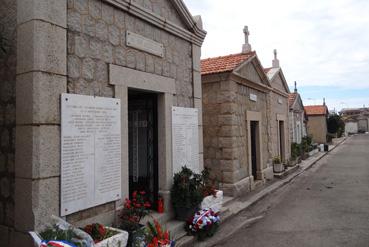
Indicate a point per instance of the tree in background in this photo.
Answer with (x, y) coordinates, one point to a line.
(335, 125)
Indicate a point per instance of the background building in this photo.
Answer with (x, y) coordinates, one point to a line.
(317, 122)
(297, 117)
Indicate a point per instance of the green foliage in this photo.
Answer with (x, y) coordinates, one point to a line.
(186, 191)
(336, 125)
(55, 233)
(306, 142)
(209, 232)
(208, 184)
(277, 160)
(295, 150)
(99, 232)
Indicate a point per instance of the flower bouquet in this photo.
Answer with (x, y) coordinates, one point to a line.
(203, 224)
(156, 236)
(132, 213)
(61, 233)
(106, 236)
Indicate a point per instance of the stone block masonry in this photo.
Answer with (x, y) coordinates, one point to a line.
(97, 37)
(68, 46)
(8, 20)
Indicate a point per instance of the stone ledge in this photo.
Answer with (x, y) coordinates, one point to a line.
(41, 47)
(52, 11)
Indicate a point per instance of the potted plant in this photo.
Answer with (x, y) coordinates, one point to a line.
(156, 236)
(132, 213)
(213, 198)
(277, 165)
(186, 193)
(203, 224)
(104, 236)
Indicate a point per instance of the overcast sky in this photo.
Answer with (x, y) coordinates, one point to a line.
(322, 44)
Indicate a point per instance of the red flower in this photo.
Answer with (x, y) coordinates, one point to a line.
(142, 192)
(134, 194)
(147, 205)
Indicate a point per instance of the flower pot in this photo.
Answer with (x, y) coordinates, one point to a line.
(213, 202)
(119, 239)
(278, 168)
(136, 237)
(183, 213)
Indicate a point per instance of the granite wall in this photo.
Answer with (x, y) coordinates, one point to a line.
(8, 21)
(279, 106)
(96, 37)
(225, 104)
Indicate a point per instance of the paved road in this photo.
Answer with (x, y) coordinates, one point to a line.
(327, 206)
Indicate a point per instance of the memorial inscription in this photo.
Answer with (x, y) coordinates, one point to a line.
(90, 152)
(144, 44)
(185, 138)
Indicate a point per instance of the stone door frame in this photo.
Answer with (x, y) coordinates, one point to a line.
(123, 79)
(255, 116)
(282, 118)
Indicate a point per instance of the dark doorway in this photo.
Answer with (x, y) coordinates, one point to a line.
(281, 140)
(143, 145)
(254, 147)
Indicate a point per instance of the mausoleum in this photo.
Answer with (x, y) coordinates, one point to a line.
(235, 105)
(279, 124)
(297, 117)
(98, 98)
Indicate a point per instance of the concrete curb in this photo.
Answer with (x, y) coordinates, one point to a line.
(237, 206)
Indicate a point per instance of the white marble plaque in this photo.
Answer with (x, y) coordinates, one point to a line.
(144, 44)
(185, 138)
(90, 152)
(253, 97)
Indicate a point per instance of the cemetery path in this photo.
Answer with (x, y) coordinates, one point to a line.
(327, 205)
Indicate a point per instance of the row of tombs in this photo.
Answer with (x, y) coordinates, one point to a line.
(112, 97)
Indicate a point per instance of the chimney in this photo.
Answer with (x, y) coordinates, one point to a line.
(295, 87)
(275, 60)
(323, 101)
(246, 47)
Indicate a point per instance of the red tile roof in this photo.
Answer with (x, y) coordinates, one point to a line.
(224, 63)
(291, 98)
(266, 70)
(316, 110)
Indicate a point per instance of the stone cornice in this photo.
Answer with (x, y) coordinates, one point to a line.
(197, 35)
(277, 91)
(260, 87)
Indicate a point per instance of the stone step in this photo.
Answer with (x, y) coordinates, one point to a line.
(225, 214)
(176, 229)
(258, 184)
(185, 241)
(286, 172)
(162, 218)
(227, 200)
